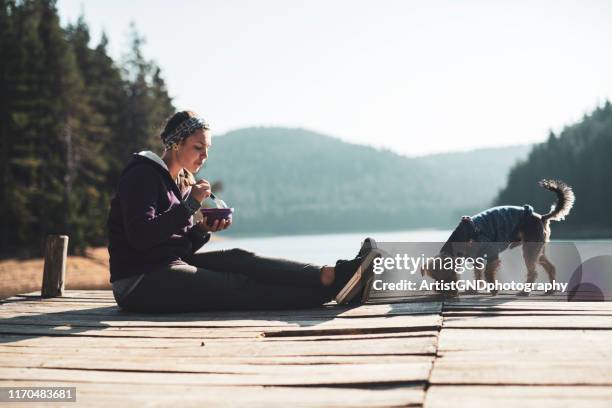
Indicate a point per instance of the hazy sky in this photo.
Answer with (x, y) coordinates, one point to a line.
(413, 76)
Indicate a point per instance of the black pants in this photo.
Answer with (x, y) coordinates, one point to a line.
(232, 279)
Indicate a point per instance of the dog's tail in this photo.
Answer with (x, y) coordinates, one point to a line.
(565, 199)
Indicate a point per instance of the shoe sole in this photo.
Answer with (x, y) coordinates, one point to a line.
(361, 276)
(367, 289)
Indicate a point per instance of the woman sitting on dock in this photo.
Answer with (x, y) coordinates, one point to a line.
(153, 242)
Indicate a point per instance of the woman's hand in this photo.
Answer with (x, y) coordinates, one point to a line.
(200, 190)
(218, 225)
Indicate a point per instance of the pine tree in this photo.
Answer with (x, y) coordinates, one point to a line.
(61, 138)
(579, 155)
(69, 119)
(8, 56)
(22, 128)
(94, 133)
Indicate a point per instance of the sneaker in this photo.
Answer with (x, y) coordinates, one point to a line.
(361, 278)
(346, 268)
(367, 245)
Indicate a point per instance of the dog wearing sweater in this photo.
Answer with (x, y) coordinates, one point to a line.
(492, 231)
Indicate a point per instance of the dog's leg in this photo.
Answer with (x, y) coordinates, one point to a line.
(531, 254)
(549, 268)
(490, 272)
(477, 277)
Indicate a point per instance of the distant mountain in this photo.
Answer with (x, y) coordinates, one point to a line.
(580, 156)
(283, 180)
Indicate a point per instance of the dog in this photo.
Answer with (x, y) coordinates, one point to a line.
(496, 229)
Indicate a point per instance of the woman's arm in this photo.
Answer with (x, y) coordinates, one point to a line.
(139, 190)
(201, 231)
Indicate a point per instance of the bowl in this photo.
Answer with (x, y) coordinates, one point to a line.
(214, 214)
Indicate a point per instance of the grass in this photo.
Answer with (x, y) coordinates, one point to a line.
(82, 272)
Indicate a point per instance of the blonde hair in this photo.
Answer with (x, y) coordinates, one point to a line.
(184, 180)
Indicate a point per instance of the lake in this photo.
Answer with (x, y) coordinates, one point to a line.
(323, 249)
(593, 256)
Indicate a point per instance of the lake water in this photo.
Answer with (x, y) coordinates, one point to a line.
(580, 261)
(322, 249)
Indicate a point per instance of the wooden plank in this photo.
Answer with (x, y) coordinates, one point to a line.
(571, 342)
(178, 322)
(162, 332)
(514, 396)
(302, 328)
(94, 309)
(368, 325)
(34, 342)
(59, 305)
(77, 294)
(517, 304)
(112, 314)
(402, 301)
(393, 309)
(198, 364)
(545, 357)
(520, 312)
(360, 336)
(57, 301)
(384, 346)
(318, 374)
(142, 361)
(78, 320)
(518, 370)
(537, 322)
(163, 395)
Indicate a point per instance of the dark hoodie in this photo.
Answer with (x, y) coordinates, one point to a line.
(148, 224)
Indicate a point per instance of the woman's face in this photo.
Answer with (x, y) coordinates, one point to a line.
(193, 151)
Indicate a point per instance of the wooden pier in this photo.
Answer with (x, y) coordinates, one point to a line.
(472, 351)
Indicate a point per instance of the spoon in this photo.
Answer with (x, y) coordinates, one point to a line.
(218, 202)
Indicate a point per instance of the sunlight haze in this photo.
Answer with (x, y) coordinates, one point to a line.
(413, 77)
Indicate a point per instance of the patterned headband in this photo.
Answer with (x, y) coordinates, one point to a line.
(183, 130)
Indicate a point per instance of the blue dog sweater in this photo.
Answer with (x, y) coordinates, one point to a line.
(498, 225)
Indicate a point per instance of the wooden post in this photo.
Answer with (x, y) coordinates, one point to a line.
(55, 266)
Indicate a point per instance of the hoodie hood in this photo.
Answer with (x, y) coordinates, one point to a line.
(154, 157)
(149, 158)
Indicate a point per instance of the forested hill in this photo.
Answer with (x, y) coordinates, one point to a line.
(579, 155)
(296, 181)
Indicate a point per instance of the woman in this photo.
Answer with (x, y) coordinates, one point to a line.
(153, 242)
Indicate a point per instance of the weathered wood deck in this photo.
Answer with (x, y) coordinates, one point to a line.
(506, 352)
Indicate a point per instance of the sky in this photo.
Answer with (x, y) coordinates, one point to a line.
(415, 77)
